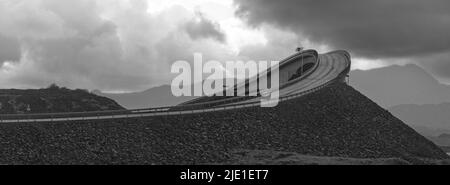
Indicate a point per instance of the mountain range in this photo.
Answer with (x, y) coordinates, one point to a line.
(412, 95)
(435, 116)
(430, 120)
(397, 85)
(160, 96)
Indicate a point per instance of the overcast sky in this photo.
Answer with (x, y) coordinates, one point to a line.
(129, 45)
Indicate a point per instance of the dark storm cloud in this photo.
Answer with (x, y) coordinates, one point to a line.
(438, 65)
(64, 42)
(203, 28)
(9, 49)
(114, 46)
(372, 29)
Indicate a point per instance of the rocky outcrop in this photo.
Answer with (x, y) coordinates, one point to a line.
(52, 99)
(336, 121)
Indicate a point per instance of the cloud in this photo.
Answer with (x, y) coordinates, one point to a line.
(382, 29)
(369, 28)
(438, 65)
(279, 44)
(9, 49)
(200, 27)
(114, 46)
(66, 42)
(129, 45)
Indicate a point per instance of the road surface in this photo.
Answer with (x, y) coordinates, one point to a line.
(329, 68)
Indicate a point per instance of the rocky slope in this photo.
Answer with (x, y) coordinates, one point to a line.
(265, 157)
(52, 99)
(336, 121)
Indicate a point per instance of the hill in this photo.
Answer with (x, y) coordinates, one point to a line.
(160, 96)
(397, 85)
(427, 131)
(434, 117)
(432, 121)
(442, 140)
(325, 123)
(52, 99)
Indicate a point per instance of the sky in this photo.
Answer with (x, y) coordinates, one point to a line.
(129, 45)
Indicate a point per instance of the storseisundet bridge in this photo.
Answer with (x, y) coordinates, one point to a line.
(322, 71)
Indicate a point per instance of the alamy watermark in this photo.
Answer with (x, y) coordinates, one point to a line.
(236, 78)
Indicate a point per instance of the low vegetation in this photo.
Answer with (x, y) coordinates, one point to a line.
(52, 99)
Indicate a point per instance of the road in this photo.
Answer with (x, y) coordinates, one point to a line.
(329, 68)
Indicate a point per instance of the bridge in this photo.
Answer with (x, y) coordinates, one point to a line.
(322, 71)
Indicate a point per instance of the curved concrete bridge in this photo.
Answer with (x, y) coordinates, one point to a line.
(326, 69)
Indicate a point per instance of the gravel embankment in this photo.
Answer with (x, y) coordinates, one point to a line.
(336, 121)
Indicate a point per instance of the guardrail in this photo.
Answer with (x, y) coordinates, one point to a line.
(163, 111)
(285, 61)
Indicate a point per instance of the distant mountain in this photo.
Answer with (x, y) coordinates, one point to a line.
(410, 94)
(52, 99)
(153, 97)
(396, 85)
(428, 131)
(160, 96)
(441, 140)
(433, 116)
(432, 121)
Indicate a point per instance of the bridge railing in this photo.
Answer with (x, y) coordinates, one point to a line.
(163, 111)
(241, 98)
(285, 61)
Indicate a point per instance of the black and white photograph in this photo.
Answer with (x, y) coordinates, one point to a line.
(224, 83)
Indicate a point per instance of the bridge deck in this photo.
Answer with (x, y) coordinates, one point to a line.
(329, 68)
